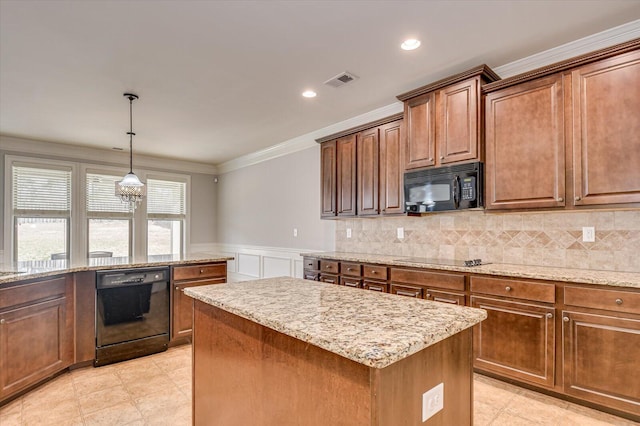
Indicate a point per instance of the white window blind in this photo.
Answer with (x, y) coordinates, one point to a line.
(166, 199)
(101, 198)
(42, 190)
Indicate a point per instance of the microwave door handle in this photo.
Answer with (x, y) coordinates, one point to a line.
(456, 192)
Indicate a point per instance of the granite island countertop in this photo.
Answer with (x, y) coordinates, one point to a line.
(584, 276)
(374, 329)
(11, 273)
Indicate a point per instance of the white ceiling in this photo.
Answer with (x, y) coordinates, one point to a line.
(220, 79)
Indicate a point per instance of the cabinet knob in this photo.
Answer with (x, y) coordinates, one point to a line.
(374, 271)
(349, 269)
(202, 271)
(430, 159)
(2, 321)
(578, 198)
(442, 157)
(565, 319)
(618, 301)
(328, 267)
(177, 288)
(560, 199)
(507, 288)
(549, 315)
(428, 294)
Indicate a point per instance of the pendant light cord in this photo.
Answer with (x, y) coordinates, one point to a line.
(130, 132)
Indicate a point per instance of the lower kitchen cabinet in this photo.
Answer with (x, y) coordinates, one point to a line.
(601, 347)
(36, 332)
(181, 304)
(517, 340)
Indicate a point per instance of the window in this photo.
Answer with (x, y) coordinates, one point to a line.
(41, 209)
(166, 213)
(108, 220)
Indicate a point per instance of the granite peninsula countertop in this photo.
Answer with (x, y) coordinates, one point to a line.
(584, 276)
(374, 329)
(11, 273)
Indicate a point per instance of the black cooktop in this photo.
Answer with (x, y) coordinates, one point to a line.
(445, 262)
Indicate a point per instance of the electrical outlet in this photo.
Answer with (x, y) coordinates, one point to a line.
(348, 232)
(295, 232)
(400, 233)
(588, 234)
(432, 401)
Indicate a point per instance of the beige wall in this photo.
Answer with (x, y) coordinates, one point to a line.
(541, 238)
(260, 205)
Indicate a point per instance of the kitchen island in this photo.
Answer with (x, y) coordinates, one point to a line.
(286, 351)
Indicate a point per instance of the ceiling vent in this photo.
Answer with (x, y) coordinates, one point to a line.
(341, 79)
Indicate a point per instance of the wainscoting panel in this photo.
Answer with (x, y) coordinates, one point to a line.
(252, 262)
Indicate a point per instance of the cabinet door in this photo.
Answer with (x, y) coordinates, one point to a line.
(183, 307)
(346, 161)
(368, 172)
(36, 341)
(525, 166)
(391, 185)
(328, 179)
(420, 149)
(517, 340)
(601, 355)
(606, 131)
(457, 122)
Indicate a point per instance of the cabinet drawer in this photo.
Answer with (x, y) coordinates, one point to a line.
(406, 290)
(29, 293)
(351, 269)
(197, 283)
(431, 279)
(218, 270)
(311, 263)
(375, 286)
(375, 272)
(331, 279)
(351, 282)
(441, 296)
(311, 275)
(329, 266)
(612, 300)
(541, 292)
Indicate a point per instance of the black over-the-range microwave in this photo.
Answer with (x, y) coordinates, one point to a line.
(454, 187)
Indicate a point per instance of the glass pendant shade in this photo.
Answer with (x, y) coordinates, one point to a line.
(130, 189)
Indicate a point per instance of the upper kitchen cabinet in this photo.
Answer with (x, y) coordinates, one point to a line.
(328, 184)
(525, 145)
(346, 178)
(444, 121)
(606, 131)
(566, 135)
(361, 170)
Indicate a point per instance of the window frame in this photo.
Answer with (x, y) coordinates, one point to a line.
(10, 222)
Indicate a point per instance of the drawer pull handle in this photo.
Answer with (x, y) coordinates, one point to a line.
(578, 198)
(2, 321)
(202, 271)
(507, 288)
(406, 293)
(549, 315)
(428, 294)
(560, 199)
(565, 319)
(618, 301)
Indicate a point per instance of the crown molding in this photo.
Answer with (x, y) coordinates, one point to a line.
(601, 40)
(14, 145)
(308, 140)
(366, 126)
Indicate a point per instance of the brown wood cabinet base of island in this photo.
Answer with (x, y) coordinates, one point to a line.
(268, 378)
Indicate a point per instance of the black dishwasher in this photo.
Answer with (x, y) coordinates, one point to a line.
(132, 313)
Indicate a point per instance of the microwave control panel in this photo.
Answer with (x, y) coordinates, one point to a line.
(469, 188)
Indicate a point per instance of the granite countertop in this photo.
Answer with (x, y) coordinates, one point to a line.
(374, 329)
(11, 273)
(584, 276)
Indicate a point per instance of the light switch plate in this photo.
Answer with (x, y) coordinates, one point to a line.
(588, 234)
(432, 401)
(295, 232)
(348, 232)
(400, 233)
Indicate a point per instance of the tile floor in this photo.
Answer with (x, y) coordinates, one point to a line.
(156, 390)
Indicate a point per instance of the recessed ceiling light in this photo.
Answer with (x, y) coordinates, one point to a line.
(309, 94)
(410, 44)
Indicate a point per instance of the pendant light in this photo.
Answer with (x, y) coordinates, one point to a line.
(130, 189)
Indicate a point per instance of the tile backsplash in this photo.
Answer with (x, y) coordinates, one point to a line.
(531, 238)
